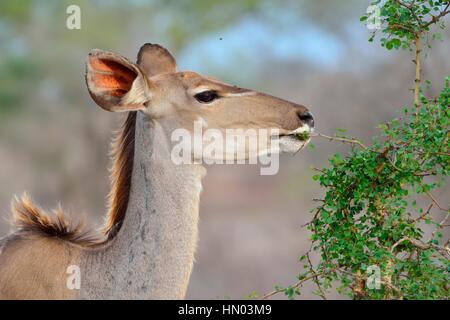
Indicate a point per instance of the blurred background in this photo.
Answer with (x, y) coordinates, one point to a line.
(54, 140)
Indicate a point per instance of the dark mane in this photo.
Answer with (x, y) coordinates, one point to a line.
(31, 219)
(122, 153)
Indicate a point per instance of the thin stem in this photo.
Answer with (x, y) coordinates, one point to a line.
(296, 285)
(436, 202)
(316, 278)
(341, 139)
(435, 19)
(410, 7)
(418, 73)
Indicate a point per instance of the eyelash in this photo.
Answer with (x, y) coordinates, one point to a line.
(207, 96)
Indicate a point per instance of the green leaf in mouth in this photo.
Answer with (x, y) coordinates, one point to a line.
(303, 136)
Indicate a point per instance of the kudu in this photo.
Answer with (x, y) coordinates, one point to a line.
(146, 248)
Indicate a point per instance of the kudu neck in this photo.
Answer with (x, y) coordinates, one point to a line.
(153, 252)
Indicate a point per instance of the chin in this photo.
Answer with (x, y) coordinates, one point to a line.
(292, 144)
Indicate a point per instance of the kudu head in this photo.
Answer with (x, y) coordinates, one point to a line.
(176, 99)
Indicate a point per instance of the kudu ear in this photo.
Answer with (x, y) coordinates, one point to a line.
(154, 60)
(115, 83)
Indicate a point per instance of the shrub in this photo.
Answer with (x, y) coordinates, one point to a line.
(368, 229)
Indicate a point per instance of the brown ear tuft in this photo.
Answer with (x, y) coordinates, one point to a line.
(155, 59)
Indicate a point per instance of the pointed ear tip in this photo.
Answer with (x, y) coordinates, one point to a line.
(95, 52)
(150, 46)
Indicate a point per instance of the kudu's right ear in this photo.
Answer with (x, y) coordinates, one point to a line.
(115, 83)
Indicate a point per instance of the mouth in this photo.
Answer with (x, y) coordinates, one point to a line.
(301, 134)
(296, 140)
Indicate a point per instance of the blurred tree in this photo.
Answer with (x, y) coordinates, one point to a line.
(35, 32)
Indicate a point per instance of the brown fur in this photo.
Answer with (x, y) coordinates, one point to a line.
(34, 267)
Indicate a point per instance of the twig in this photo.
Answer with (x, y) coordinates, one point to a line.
(417, 174)
(341, 139)
(391, 286)
(436, 202)
(316, 278)
(410, 9)
(445, 251)
(400, 26)
(442, 224)
(417, 42)
(294, 286)
(438, 17)
(313, 219)
(424, 214)
(418, 74)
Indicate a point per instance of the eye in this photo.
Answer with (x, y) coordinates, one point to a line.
(206, 96)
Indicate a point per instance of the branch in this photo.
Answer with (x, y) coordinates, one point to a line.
(341, 139)
(391, 286)
(400, 26)
(418, 74)
(423, 215)
(435, 19)
(436, 202)
(296, 285)
(316, 278)
(314, 217)
(410, 8)
(423, 246)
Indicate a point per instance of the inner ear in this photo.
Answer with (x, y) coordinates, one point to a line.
(112, 77)
(115, 83)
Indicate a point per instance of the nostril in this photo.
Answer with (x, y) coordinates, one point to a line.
(307, 118)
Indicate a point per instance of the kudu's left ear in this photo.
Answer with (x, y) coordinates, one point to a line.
(115, 83)
(155, 59)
